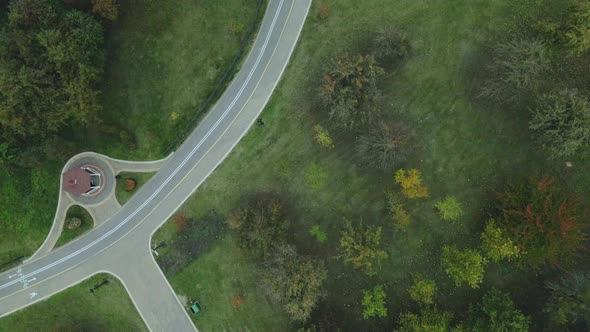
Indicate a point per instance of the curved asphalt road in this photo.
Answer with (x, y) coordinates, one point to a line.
(121, 245)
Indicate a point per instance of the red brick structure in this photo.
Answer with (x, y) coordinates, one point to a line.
(82, 180)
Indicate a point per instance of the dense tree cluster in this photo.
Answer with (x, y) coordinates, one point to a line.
(51, 60)
(291, 280)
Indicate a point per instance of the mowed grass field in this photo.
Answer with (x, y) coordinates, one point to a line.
(465, 148)
(76, 309)
(163, 59)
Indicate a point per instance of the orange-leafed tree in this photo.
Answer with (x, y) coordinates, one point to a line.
(130, 184)
(180, 223)
(237, 301)
(544, 221)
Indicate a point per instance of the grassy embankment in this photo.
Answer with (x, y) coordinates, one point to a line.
(76, 309)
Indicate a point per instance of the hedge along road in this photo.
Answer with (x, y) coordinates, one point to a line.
(131, 228)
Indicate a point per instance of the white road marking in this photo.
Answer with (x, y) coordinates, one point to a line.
(169, 178)
(32, 295)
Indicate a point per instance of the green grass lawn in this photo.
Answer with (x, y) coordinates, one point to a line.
(465, 149)
(123, 195)
(163, 59)
(76, 309)
(68, 235)
(214, 279)
(166, 58)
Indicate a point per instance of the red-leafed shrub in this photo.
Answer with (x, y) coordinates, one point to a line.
(544, 221)
(180, 223)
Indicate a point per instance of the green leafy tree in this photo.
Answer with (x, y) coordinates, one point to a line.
(516, 70)
(464, 266)
(383, 145)
(577, 35)
(374, 303)
(322, 137)
(544, 222)
(569, 302)
(294, 281)
(497, 313)
(450, 209)
(411, 183)
(319, 234)
(496, 244)
(422, 290)
(261, 223)
(561, 123)
(429, 320)
(360, 247)
(51, 60)
(348, 89)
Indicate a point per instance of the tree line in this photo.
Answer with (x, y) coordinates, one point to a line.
(51, 61)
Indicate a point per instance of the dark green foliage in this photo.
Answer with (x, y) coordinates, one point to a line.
(515, 70)
(374, 303)
(561, 123)
(50, 63)
(384, 145)
(497, 313)
(294, 281)
(261, 223)
(569, 302)
(193, 241)
(391, 45)
(429, 320)
(544, 221)
(348, 90)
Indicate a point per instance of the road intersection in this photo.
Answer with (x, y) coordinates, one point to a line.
(121, 245)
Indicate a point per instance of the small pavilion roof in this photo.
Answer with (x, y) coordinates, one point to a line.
(76, 180)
